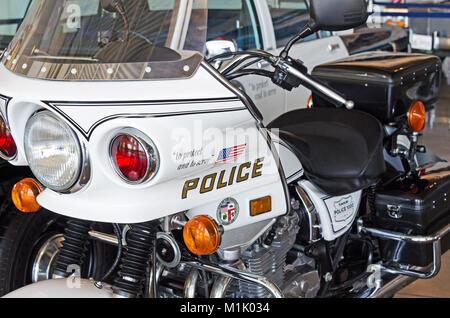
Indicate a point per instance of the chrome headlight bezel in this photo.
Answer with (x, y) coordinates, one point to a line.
(79, 158)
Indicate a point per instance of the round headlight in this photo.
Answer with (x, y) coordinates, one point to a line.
(53, 151)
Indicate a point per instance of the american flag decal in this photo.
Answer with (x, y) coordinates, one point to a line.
(230, 154)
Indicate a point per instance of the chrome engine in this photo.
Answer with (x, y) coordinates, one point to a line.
(273, 256)
(268, 257)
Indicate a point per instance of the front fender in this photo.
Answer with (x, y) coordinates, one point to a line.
(62, 288)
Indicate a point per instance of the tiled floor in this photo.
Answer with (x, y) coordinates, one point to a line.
(437, 138)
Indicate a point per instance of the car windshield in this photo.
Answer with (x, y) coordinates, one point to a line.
(106, 40)
(12, 13)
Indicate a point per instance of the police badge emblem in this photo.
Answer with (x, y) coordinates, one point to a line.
(228, 211)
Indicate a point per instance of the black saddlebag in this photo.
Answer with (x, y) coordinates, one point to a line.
(423, 210)
(381, 83)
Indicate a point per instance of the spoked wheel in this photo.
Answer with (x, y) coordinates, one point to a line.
(29, 247)
(43, 261)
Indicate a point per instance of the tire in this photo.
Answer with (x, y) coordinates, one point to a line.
(22, 235)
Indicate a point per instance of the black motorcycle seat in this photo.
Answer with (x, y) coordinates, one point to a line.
(341, 151)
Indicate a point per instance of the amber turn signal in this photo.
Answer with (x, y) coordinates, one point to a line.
(24, 195)
(201, 235)
(309, 103)
(399, 23)
(417, 116)
(261, 206)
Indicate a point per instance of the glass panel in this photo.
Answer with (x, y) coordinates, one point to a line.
(12, 13)
(234, 20)
(325, 34)
(71, 32)
(288, 17)
(82, 29)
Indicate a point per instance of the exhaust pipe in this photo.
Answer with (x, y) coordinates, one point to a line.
(221, 286)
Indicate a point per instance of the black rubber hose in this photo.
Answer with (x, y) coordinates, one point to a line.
(249, 72)
(117, 231)
(260, 54)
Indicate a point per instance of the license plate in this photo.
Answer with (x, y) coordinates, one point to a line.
(422, 42)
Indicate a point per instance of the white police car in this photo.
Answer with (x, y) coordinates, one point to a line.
(12, 13)
(268, 25)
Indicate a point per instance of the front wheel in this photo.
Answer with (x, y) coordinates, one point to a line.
(29, 247)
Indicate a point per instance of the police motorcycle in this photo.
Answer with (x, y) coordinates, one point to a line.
(23, 238)
(313, 205)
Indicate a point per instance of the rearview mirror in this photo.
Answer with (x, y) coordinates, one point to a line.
(109, 5)
(337, 15)
(220, 46)
(331, 15)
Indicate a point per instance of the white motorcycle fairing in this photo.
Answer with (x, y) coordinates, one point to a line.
(62, 288)
(169, 112)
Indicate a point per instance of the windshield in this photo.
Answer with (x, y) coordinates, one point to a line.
(12, 13)
(104, 40)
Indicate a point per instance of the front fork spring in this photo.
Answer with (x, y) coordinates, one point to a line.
(74, 247)
(140, 241)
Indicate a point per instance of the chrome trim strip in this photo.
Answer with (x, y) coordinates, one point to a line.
(85, 174)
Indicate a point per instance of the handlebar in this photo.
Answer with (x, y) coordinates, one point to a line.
(235, 69)
(315, 86)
